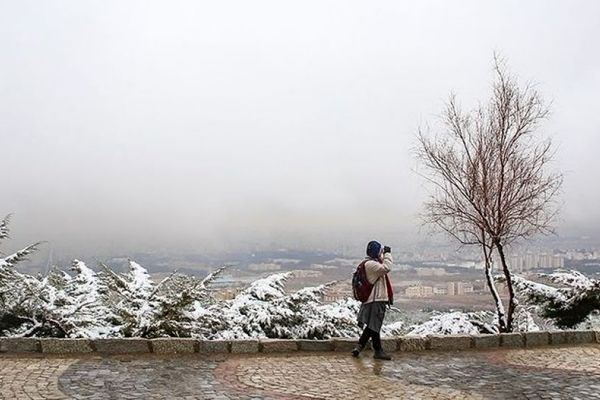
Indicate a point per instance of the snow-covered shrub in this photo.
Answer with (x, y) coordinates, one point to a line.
(257, 311)
(56, 305)
(79, 304)
(524, 319)
(21, 296)
(457, 322)
(146, 309)
(575, 302)
(265, 310)
(393, 329)
(339, 319)
(592, 322)
(25, 304)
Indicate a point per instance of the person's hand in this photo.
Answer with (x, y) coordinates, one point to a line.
(387, 249)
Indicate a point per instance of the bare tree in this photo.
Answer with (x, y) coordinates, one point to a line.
(490, 173)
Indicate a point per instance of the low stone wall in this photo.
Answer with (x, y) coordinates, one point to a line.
(189, 345)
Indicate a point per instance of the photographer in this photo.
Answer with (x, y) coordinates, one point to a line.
(377, 265)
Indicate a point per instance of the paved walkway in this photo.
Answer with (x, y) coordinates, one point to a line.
(544, 373)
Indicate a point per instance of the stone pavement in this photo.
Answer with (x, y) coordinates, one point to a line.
(543, 373)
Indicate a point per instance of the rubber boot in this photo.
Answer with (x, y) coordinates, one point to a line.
(380, 355)
(356, 351)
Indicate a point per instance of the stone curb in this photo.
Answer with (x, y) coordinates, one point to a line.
(315, 345)
(576, 337)
(174, 346)
(413, 343)
(278, 345)
(121, 346)
(557, 337)
(485, 341)
(215, 346)
(390, 344)
(20, 345)
(65, 346)
(515, 339)
(449, 342)
(537, 339)
(244, 346)
(344, 344)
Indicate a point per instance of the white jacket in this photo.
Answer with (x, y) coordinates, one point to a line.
(376, 272)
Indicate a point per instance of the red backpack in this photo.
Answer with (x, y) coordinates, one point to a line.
(361, 287)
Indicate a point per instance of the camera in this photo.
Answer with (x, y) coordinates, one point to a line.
(387, 249)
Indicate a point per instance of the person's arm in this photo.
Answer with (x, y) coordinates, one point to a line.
(382, 268)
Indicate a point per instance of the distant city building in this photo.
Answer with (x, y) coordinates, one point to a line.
(558, 261)
(530, 261)
(521, 263)
(582, 254)
(463, 288)
(515, 264)
(336, 294)
(440, 290)
(413, 291)
(304, 273)
(450, 289)
(427, 291)
(323, 266)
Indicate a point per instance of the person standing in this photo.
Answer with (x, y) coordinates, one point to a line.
(378, 264)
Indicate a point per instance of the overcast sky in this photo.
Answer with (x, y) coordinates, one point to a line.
(132, 124)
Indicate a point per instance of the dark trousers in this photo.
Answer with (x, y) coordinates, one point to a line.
(374, 336)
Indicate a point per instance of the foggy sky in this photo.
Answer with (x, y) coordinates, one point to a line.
(128, 125)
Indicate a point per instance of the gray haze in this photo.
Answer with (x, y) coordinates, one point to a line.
(130, 125)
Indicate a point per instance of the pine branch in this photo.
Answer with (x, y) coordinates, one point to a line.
(4, 230)
(211, 277)
(573, 279)
(116, 279)
(161, 283)
(19, 256)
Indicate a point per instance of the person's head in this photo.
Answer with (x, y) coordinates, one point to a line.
(374, 249)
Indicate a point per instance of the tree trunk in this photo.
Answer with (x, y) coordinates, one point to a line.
(511, 293)
(492, 286)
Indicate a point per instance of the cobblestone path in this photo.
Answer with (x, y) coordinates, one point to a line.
(544, 373)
